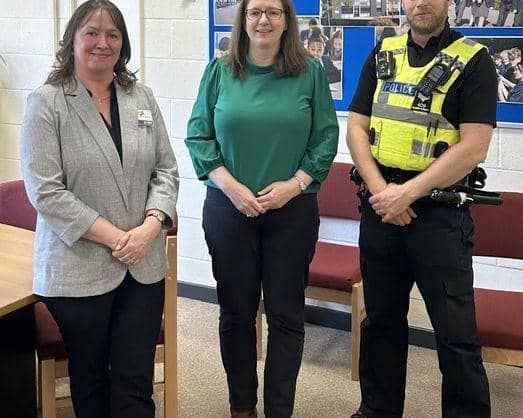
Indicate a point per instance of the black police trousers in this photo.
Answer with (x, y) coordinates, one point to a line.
(435, 252)
(272, 251)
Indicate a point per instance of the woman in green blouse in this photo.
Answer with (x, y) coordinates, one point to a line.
(262, 135)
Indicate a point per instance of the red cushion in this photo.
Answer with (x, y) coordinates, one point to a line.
(49, 342)
(499, 316)
(15, 208)
(337, 196)
(335, 266)
(498, 229)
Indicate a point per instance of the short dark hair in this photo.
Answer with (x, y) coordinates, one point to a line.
(313, 22)
(316, 39)
(292, 56)
(63, 69)
(223, 44)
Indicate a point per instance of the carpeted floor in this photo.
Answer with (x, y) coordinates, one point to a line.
(324, 386)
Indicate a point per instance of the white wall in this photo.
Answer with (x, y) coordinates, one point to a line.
(170, 41)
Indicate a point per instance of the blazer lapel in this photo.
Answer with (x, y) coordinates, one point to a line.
(84, 106)
(131, 134)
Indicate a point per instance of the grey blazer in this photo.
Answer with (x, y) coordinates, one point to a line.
(73, 174)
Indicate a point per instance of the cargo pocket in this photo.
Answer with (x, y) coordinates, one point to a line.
(461, 317)
(458, 283)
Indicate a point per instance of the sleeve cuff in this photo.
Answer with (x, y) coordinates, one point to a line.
(79, 227)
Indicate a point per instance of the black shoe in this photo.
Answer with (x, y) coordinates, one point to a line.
(358, 414)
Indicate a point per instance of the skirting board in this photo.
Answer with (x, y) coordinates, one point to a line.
(314, 315)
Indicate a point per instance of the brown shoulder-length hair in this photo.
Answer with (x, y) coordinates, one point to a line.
(292, 56)
(63, 69)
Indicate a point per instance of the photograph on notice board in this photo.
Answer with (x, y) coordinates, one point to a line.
(325, 43)
(224, 11)
(506, 53)
(486, 13)
(307, 25)
(222, 41)
(383, 32)
(360, 12)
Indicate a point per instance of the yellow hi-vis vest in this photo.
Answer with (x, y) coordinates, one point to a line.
(405, 138)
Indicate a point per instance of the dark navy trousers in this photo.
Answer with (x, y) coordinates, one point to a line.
(273, 252)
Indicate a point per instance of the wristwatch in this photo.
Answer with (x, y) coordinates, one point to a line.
(156, 215)
(303, 186)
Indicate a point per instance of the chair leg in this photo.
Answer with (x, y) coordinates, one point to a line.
(358, 314)
(170, 333)
(259, 332)
(47, 384)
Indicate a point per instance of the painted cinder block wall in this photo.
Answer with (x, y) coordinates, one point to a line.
(170, 45)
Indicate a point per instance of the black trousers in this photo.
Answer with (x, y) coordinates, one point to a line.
(435, 252)
(111, 341)
(273, 251)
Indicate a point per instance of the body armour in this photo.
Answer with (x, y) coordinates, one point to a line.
(407, 129)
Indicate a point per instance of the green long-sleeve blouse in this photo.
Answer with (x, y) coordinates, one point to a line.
(263, 128)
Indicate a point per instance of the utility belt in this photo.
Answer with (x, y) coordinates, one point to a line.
(464, 193)
(475, 179)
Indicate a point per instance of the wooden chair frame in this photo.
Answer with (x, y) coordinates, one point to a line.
(51, 369)
(353, 299)
(507, 356)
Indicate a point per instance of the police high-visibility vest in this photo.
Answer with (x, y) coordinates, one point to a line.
(412, 139)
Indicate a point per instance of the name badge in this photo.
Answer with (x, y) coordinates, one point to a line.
(145, 118)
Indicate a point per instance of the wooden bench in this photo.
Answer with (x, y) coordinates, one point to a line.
(499, 313)
(334, 274)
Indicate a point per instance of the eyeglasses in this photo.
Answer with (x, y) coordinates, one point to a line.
(271, 14)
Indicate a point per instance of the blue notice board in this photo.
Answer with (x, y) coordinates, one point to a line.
(358, 41)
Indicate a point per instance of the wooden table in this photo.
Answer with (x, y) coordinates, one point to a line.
(17, 347)
(16, 269)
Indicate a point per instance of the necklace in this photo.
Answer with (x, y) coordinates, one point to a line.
(100, 100)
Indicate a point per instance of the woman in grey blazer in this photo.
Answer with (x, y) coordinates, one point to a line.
(100, 171)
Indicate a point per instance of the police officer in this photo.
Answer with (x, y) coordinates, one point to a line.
(421, 118)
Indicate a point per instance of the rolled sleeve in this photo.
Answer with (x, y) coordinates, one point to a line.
(42, 171)
(201, 135)
(323, 141)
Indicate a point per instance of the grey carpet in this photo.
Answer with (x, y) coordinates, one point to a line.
(324, 386)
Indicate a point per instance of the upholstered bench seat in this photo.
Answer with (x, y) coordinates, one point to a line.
(498, 323)
(498, 232)
(335, 266)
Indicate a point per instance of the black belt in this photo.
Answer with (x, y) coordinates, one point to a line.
(396, 175)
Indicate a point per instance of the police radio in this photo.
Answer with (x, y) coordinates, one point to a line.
(385, 65)
(438, 75)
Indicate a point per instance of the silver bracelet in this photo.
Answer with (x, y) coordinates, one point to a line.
(303, 186)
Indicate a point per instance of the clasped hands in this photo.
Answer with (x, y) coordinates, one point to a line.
(132, 245)
(274, 196)
(392, 203)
